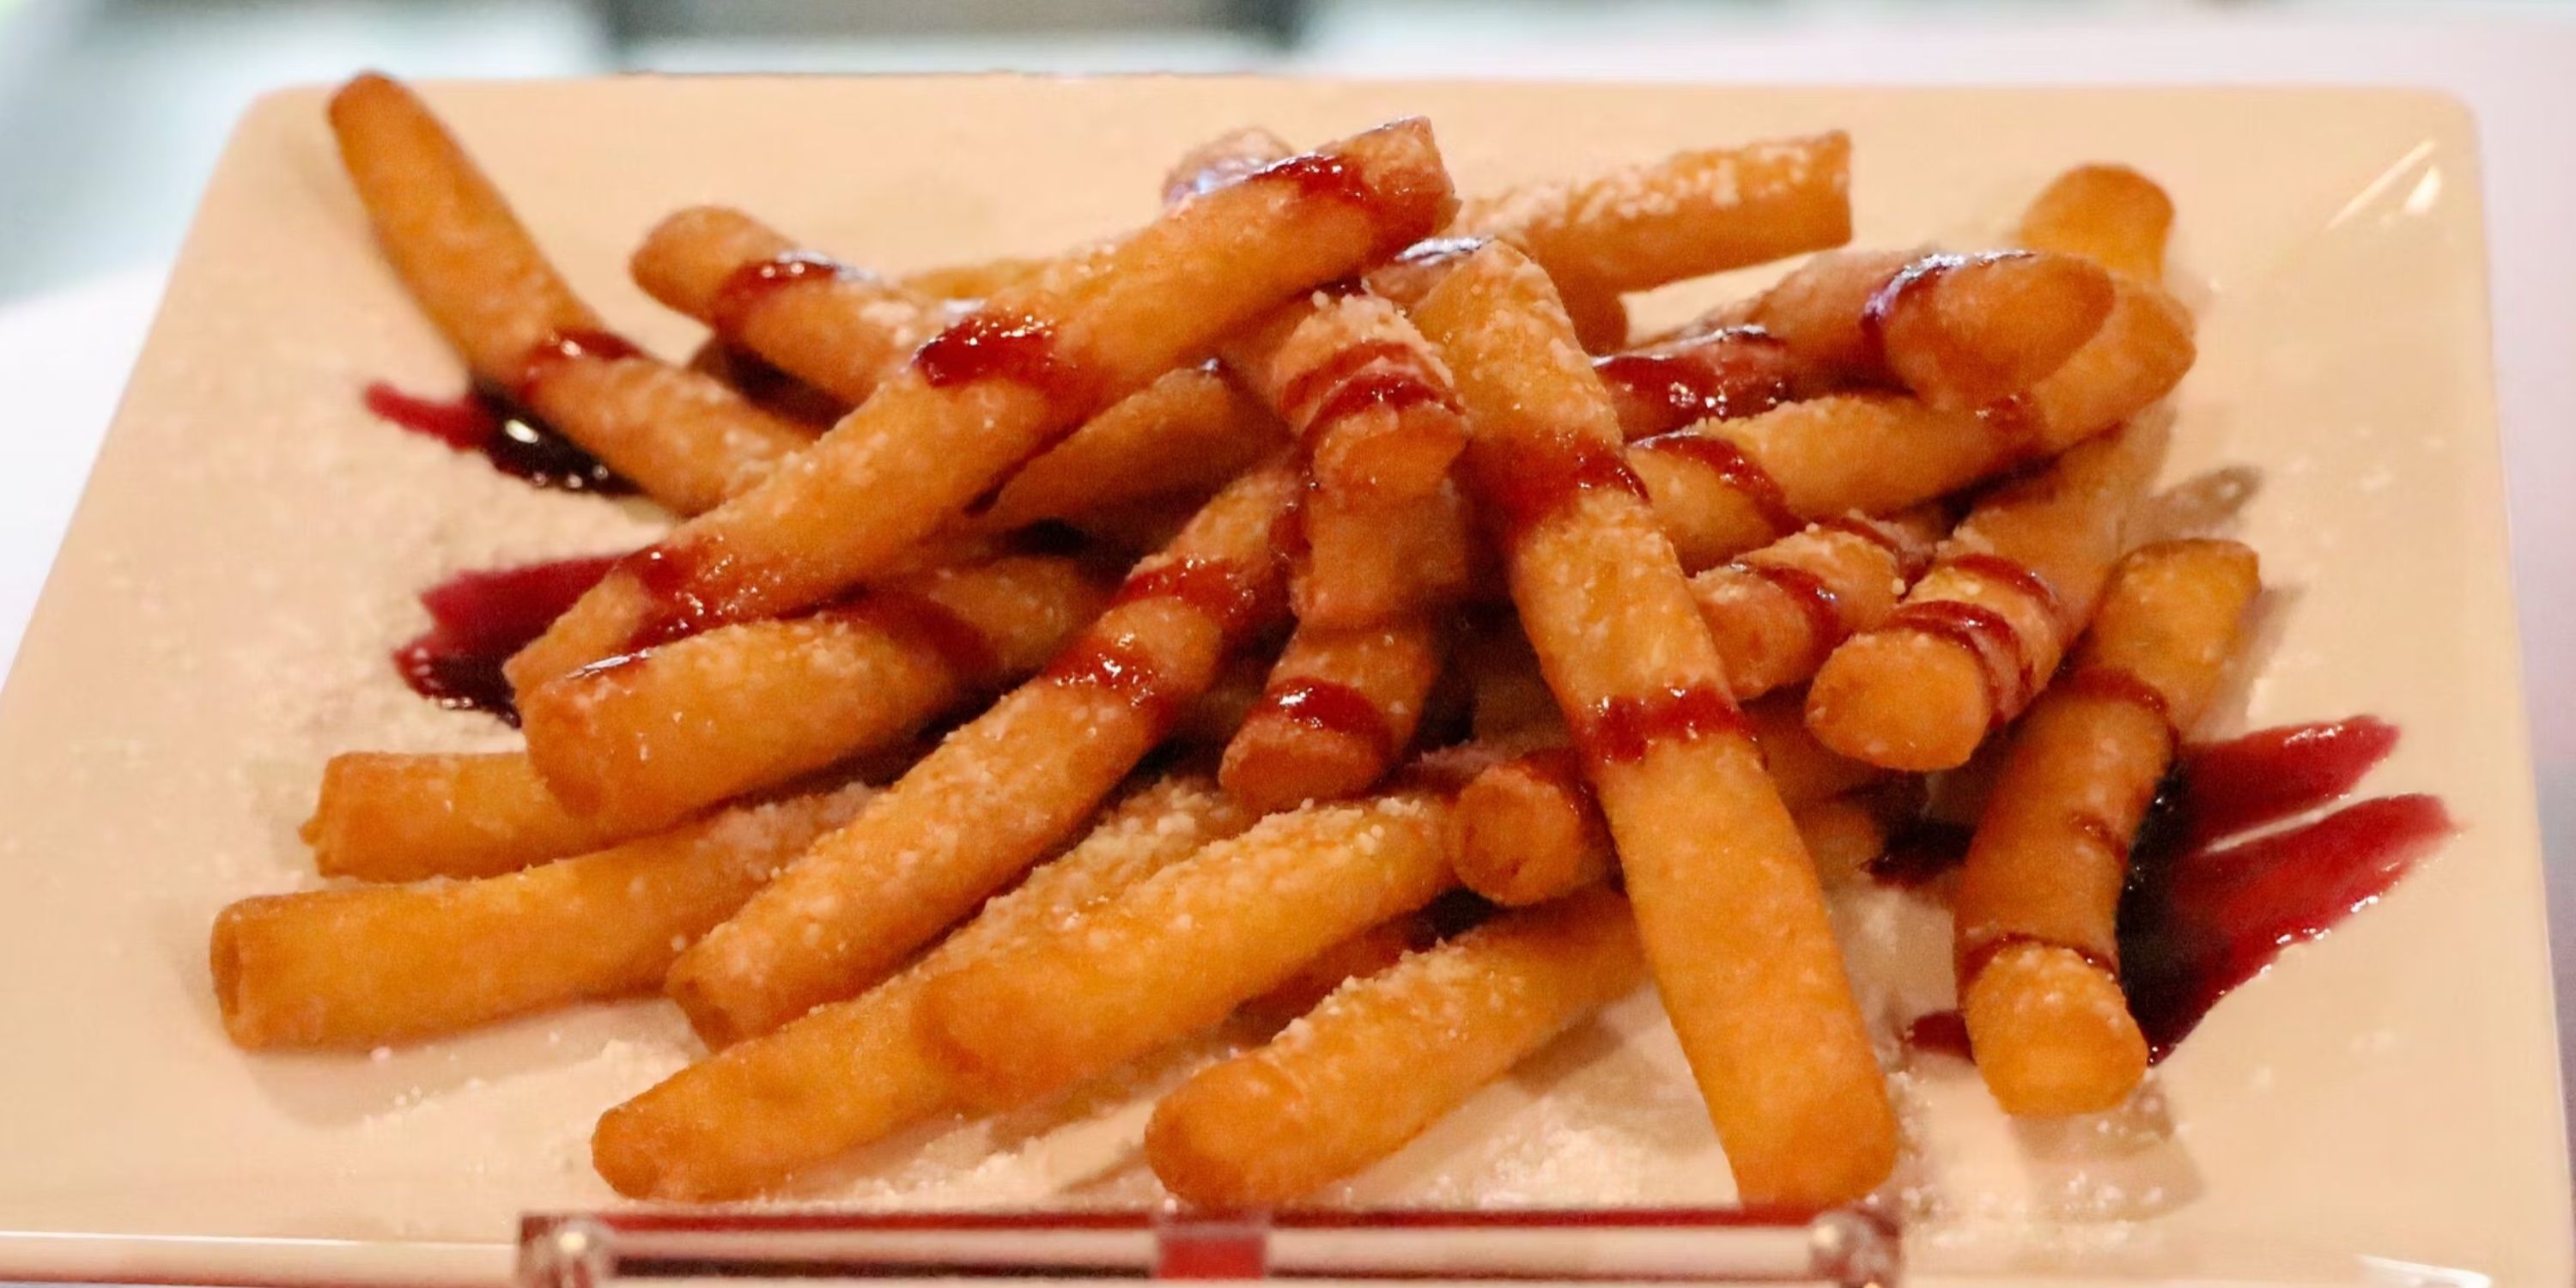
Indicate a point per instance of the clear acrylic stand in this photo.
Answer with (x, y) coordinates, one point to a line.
(1846, 1248)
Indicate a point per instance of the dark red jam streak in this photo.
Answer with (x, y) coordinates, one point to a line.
(1622, 730)
(1237, 598)
(2195, 923)
(1890, 296)
(2208, 908)
(1986, 635)
(2271, 774)
(1730, 373)
(1526, 488)
(1021, 350)
(748, 284)
(1822, 607)
(1383, 387)
(1317, 176)
(1921, 854)
(568, 346)
(2013, 573)
(1732, 467)
(1371, 373)
(923, 623)
(1310, 386)
(1005, 346)
(1854, 526)
(513, 439)
(1938, 1033)
(1333, 709)
(2112, 684)
(678, 601)
(1119, 666)
(479, 619)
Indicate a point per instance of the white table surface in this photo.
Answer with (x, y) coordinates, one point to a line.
(63, 356)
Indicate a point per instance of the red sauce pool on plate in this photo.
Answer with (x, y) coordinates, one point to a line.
(479, 619)
(513, 439)
(2209, 905)
(2208, 908)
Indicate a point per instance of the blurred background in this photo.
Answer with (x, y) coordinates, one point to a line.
(112, 111)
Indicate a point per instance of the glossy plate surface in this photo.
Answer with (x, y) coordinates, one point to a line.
(245, 557)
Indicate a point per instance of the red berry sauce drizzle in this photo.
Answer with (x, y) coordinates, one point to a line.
(2208, 906)
(511, 437)
(478, 619)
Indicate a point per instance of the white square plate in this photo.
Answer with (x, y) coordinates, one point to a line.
(246, 553)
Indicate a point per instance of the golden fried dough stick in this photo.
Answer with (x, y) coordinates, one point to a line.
(1003, 385)
(1725, 487)
(1339, 709)
(1776, 612)
(1980, 633)
(1366, 564)
(2037, 948)
(395, 816)
(1361, 955)
(1366, 396)
(1729, 908)
(840, 329)
(1210, 721)
(1509, 704)
(970, 281)
(1805, 770)
(1386, 1056)
(1720, 373)
(2109, 214)
(1361, 391)
(684, 438)
(1174, 953)
(1529, 829)
(743, 707)
(744, 1120)
(1600, 318)
(1381, 536)
(1960, 331)
(1183, 435)
(1002, 790)
(354, 968)
(1529, 832)
(637, 742)
(1687, 215)
(844, 331)
(1370, 408)
(1230, 157)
